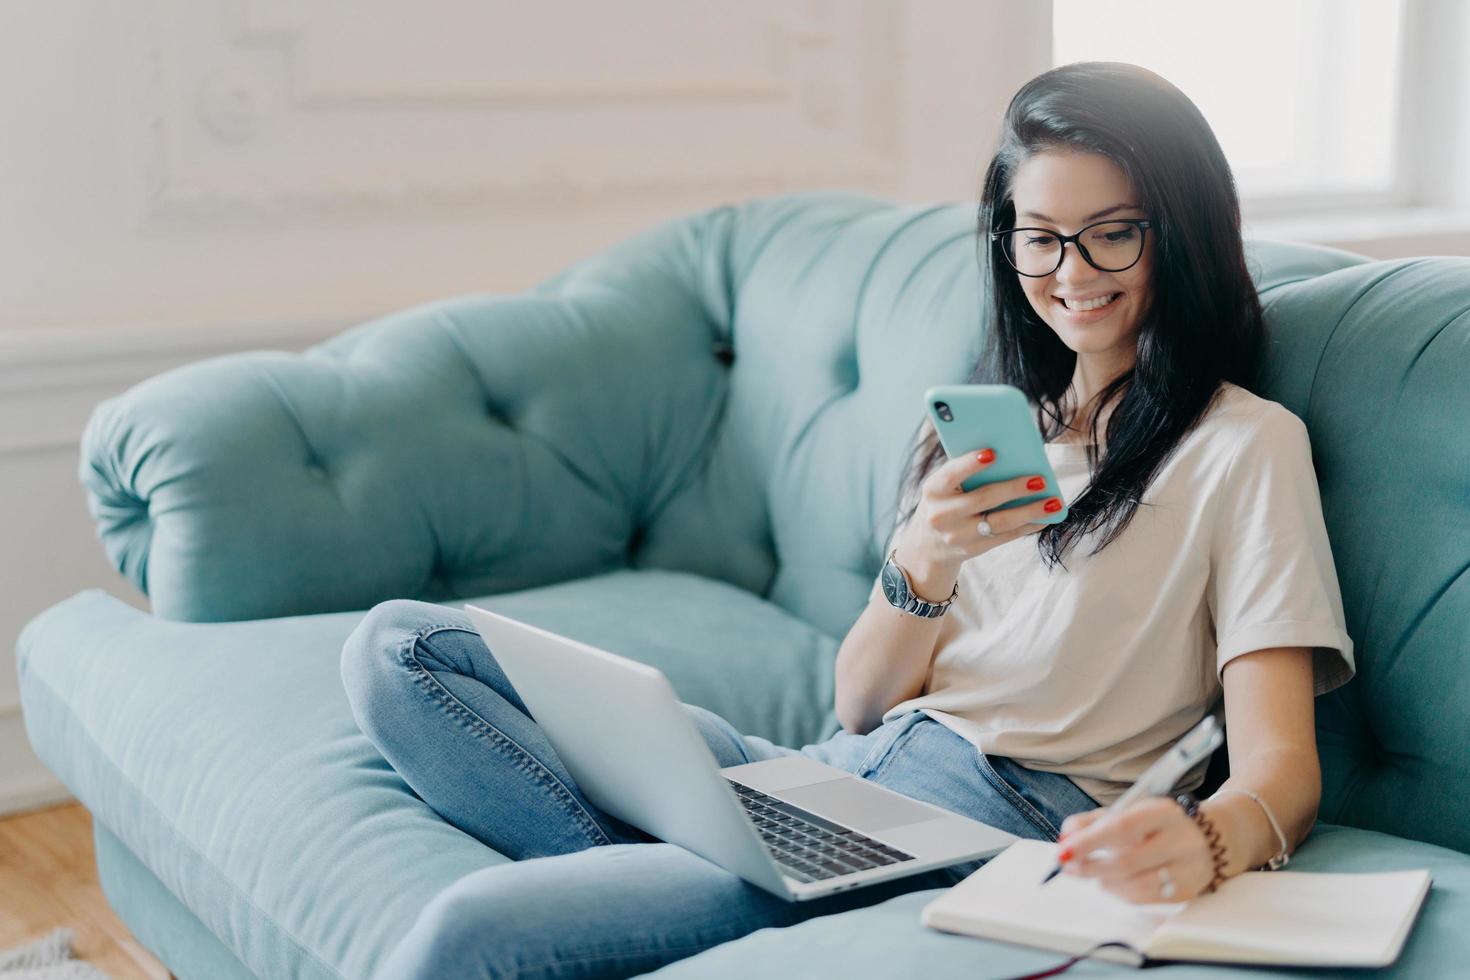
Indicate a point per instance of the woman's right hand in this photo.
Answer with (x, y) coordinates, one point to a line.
(944, 533)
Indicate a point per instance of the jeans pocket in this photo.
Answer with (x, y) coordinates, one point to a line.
(1017, 797)
(885, 740)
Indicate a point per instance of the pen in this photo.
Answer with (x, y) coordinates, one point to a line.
(1161, 777)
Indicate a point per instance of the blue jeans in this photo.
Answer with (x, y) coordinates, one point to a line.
(586, 894)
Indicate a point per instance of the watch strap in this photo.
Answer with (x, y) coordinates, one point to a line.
(914, 605)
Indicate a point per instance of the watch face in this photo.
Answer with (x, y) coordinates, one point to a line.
(894, 586)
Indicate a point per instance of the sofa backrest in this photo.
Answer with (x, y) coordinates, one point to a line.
(845, 309)
(733, 393)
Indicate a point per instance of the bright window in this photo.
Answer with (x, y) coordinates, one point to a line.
(1303, 95)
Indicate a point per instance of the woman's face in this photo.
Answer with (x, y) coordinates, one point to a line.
(1064, 191)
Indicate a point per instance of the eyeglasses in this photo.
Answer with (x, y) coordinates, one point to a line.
(1108, 246)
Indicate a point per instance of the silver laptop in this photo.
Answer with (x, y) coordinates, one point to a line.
(796, 827)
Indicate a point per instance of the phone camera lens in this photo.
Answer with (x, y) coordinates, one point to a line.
(944, 413)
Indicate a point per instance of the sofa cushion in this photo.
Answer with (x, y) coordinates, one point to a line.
(887, 940)
(225, 756)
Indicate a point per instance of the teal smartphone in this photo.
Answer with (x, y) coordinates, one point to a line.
(969, 418)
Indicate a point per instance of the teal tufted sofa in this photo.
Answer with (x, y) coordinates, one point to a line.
(685, 449)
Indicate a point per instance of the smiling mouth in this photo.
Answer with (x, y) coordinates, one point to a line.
(1087, 306)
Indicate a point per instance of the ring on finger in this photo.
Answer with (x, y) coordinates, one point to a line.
(984, 527)
(1166, 883)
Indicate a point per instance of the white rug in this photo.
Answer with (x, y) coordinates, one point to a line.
(47, 958)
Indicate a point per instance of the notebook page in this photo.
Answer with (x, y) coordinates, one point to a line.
(1005, 900)
(1298, 917)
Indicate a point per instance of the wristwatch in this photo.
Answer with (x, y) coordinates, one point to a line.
(900, 592)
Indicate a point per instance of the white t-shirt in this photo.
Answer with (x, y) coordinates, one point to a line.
(1097, 671)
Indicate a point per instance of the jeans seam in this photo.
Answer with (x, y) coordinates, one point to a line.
(517, 971)
(896, 750)
(523, 760)
(1017, 800)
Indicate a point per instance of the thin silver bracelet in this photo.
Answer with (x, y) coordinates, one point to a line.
(1279, 861)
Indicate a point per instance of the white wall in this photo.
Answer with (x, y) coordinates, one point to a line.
(180, 178)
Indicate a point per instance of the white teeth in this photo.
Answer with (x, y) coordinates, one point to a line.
(1091, 304)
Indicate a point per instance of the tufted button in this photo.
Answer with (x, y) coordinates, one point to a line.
(494, 413)
(851, 369)
(724, 352)
(315, 468)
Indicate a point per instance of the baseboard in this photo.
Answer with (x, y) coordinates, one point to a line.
(46, 793)
(33, 792)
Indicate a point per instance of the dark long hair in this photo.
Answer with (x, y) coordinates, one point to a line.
(1202, 327)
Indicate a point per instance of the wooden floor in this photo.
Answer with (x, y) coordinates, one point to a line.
(48, 878)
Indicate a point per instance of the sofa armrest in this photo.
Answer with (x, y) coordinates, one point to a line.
(463, 447)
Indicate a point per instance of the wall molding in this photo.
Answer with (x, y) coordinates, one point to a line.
(52, 377)
(285, 28)
(31, 346)
(210, 126)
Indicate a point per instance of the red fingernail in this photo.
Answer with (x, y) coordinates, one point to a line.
(1065, 856)
(1035, 483)
(1052, 506)
(986, 455)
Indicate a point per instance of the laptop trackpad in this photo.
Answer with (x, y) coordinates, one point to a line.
(858, 804)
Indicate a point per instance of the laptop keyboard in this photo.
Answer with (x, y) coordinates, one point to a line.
(807, 847)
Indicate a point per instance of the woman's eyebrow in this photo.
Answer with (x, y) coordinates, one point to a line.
(1090, 217)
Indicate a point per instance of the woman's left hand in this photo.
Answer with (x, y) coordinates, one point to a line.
(1135, 843)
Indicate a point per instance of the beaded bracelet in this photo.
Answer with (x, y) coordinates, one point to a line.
(1212, 838)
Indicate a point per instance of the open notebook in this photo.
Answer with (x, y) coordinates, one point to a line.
(1285, 918)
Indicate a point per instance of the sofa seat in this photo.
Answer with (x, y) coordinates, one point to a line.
(285, 825)
(887, 940)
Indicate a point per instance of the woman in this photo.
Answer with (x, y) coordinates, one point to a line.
(1122, 306)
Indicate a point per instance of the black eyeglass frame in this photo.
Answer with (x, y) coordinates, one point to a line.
(1144, 224)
